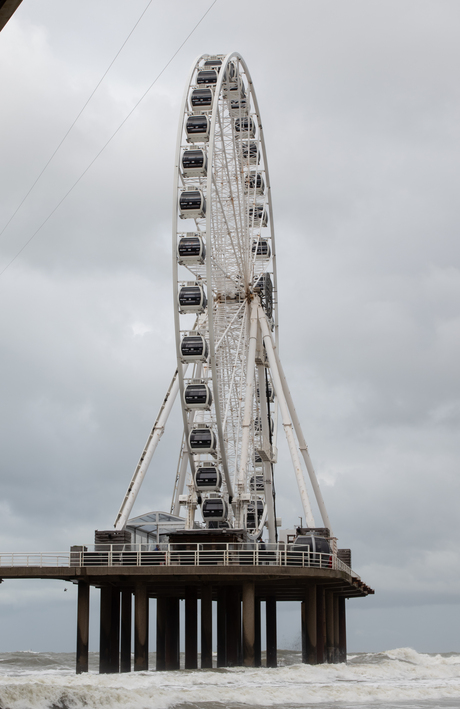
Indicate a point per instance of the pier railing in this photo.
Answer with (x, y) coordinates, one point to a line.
(231, 554)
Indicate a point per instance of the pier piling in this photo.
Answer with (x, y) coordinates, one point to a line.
(309, 630)
(330, 626)
(233, 623)
(141, 628)
(320, 624)
(161, 633)
(126, 623)
(257, 634)
(248, 625)
(172, 656)
(342, 630)
(270, 620)
(82, 627)
(206, 627)
(109, 636)
(191, 628)
(221, 627)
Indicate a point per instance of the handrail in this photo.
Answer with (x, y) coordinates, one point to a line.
(202, 554)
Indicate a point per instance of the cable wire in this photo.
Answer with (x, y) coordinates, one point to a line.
(76, 119)
(108, 141)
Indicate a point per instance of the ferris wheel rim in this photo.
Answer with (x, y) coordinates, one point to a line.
(209, 265)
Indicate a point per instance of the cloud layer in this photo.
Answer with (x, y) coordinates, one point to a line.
(360, 103)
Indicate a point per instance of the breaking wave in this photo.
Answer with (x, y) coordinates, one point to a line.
(395, 679)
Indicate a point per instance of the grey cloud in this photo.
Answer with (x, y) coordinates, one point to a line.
(360, 111)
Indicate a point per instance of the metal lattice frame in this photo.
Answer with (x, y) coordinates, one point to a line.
(240, 322)
(230, 271)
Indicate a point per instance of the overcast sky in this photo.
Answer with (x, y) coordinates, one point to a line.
(360, 106)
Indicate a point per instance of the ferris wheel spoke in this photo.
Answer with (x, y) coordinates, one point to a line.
(236, 251)
(238, 208)
(243, 305)
(236, 362)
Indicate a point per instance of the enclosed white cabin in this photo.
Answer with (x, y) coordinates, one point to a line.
(214, 509)
(197, 395)
(206, 77)
(261, 249)
(250, 152)
(208, 477)
(201, 99)
(194, 163)
(245, 127)
(202, 439)
(258, 216)
(192, 298)
(192, 204)
(254, 182)
(191, 249)
(197, 128)
(194, 348)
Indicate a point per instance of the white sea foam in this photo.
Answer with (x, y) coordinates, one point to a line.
(389, 678)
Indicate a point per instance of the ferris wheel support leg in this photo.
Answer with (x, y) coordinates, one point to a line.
(248, 410)
(181, 481)
(267, 467)
(303, 445)
(147, 453)
(285, 417)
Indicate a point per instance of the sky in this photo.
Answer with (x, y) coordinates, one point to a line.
(360, 106)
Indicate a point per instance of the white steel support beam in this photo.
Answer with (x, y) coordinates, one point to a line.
(303, 446)
(181, 478)
(285, 417)
(267, 466)
(147, 453)
(248, 405)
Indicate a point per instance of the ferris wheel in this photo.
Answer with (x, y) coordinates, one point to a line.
(229, 376)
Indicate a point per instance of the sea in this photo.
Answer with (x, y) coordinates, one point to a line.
(396, 679)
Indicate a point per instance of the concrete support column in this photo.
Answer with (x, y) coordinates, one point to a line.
(258, 634)
(239, 626)
(126, 623)
(82, 627)
(109, 637)
(309, 631)
(342, 630)
(330, 627)
(172, 658)
(248, 624)
(270, 617)
(233, 616)
(141, 628)
(206, 627)
(161, 633)
(221, 627)
(191, 630)
(321, 623)
(115, 631)
(336, 628)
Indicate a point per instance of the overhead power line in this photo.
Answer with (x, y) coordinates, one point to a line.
(75, 120)
(108, 141)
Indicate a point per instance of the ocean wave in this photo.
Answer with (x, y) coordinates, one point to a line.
(388, 678)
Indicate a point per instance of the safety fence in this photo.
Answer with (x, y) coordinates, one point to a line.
(231, 554)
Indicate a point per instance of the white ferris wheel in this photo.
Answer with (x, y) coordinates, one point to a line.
(229, 377)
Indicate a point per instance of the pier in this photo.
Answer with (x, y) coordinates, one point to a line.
(229, 574)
